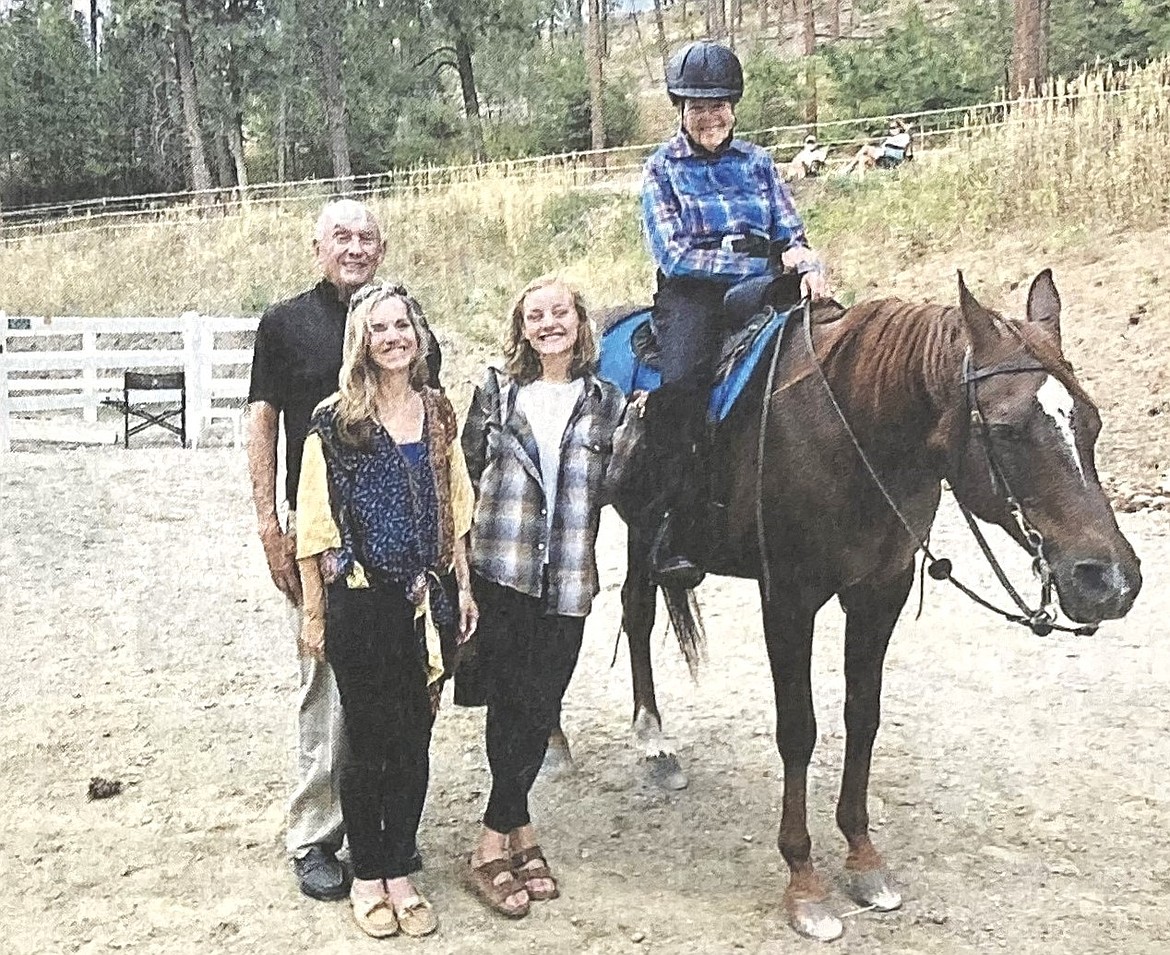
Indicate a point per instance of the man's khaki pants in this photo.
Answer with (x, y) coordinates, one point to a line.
(314, 812)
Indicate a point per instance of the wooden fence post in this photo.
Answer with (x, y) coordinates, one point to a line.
(89, 378)
(4, 433)
(193, 347)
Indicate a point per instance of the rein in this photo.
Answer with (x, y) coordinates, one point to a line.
(1041, 621)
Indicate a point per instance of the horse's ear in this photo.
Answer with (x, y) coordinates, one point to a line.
(1044, 305)
(979, 321)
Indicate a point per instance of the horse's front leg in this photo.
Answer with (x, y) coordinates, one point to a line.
(639, 595)
(871, 612)
(788, 630)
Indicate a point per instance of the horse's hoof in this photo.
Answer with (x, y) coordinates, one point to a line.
(874, 888)
(814, 920)
(558, 763)
(665, 772)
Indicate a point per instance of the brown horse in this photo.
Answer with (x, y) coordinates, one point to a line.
(932, 393)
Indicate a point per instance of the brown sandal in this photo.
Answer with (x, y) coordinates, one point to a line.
(533, 873)
(481, 879)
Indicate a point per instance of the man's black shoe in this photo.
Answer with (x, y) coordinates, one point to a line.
(321, 876)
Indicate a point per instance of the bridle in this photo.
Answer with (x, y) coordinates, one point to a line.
(1042, 620)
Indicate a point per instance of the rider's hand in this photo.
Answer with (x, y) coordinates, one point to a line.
(814, 286)
(812, 271)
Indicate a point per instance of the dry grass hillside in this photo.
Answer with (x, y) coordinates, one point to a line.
(1079, 183)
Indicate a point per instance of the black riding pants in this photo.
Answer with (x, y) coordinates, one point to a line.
(370, 642)
(528, 658)
(688, 323)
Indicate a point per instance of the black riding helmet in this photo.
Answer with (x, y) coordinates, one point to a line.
(704, 70)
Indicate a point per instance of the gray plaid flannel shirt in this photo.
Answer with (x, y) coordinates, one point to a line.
(509, 534)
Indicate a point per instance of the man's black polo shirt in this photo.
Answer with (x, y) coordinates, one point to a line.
(296, 363)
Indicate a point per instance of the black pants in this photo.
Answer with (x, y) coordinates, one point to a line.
(688, 326)
(527, 660)
(370, 642)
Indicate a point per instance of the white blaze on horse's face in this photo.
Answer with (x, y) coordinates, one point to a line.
(1056, 402)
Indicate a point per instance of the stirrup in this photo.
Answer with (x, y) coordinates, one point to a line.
(672, 569)
(678, 571)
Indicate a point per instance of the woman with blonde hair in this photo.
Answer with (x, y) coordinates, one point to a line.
(384, 505)
(538, 440)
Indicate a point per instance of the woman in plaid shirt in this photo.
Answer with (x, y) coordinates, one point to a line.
(538, 440)
(715, 211)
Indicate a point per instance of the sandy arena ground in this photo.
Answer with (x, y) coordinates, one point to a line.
(1020, 787)
(1020, 784)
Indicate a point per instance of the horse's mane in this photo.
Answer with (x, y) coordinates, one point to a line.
(891, 353)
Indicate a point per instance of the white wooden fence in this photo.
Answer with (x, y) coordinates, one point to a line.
(81, 377)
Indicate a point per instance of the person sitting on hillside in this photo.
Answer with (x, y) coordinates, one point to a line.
(715, 212)
(895, 149)
(809, 162)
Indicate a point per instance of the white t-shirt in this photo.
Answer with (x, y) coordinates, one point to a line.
(548, 405)
(897, 141)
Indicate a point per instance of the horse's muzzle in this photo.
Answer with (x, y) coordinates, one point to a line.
(1092, 590)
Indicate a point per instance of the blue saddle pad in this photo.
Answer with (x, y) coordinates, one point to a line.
(619, 364)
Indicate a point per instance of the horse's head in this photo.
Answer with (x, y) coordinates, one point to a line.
(1024, 456)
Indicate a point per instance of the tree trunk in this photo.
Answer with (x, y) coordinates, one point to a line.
(604, 33)
(809, 31)
(470, 95)
(234, 121)
(325, 44)
(660, 28)
(235, 143)
(593, 57)
(282, 135)
(641, 46)
(200, 175)
(716, 21)
(1029, 44)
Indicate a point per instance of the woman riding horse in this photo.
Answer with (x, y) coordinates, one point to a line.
(715, 209)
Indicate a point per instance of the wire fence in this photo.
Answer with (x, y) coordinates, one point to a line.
(612, 167)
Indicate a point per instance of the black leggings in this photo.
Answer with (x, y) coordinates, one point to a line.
(528, 659)
(688, 326)
(370, 642)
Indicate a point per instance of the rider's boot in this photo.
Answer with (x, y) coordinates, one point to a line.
(678, 435)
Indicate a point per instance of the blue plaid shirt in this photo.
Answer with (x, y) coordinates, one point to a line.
(690, 202)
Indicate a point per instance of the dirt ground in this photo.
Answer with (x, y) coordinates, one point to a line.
(1019, 791)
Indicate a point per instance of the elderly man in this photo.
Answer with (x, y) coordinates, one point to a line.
(296, 364)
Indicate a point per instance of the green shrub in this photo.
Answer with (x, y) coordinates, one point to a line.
(560, 113)
(773, 92)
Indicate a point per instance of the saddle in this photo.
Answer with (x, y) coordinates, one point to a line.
(747, 307)
(754, 312)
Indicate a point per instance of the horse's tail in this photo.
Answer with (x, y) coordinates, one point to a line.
(688, 626)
